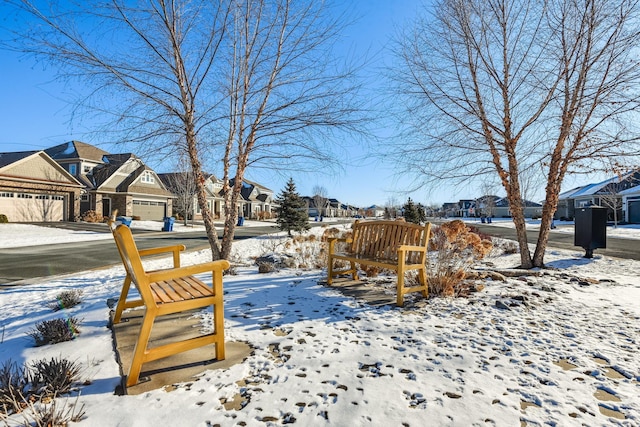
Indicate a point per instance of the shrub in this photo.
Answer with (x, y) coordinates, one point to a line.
(454, 249)
(266, 267)
(92, 216)
(55, 331)
(15, 384)
(3, 219)
(28, 386)
(66, 299)
(53, 377)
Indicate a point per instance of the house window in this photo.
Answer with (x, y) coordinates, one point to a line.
(6, 194)
(86, 169)
(84, 198)
(72, 169)
(147, 177)
(24, 196)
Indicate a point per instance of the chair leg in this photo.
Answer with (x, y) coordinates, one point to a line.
(354, 271)
(141, 348)
(122, 300)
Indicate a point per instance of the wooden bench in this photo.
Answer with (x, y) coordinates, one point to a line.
(164, 292)
(394, 245)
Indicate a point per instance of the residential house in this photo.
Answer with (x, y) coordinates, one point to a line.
(257, 200)
(607, 193)
(33, 187)
(114, 181)
(125, 183)
(566, 204)
(185, 201)
(449, 209)
(503, 210)
(631, 204)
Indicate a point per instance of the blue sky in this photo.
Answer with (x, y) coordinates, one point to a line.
(34, 114)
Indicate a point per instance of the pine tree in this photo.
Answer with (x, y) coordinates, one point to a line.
(411, 212)
(292, 215)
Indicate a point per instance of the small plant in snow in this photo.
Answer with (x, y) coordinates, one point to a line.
(55, 331)
(66, 299)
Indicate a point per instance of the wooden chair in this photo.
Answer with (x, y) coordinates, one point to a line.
(164, 292)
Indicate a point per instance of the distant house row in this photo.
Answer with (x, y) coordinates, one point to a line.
(619, 194)
(63, 182)
(487, 206)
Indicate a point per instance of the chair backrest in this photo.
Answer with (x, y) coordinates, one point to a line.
(131, 259)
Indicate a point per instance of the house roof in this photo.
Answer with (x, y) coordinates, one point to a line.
(9, 158)
(632, 190)
(76, 150)
(504, 203)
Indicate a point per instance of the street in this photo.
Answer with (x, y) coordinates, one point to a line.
(24, 264)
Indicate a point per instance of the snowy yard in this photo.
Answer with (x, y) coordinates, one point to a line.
(559, 348)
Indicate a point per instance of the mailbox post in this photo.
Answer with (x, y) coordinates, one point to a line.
(590, 229)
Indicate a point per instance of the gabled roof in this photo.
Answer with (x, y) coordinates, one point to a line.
(632, 190)
(42, 168)
(9, 158)
(504, 203)
(570, 193)
(76, 150)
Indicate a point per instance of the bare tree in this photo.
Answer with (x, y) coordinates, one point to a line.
(502, 86)
(183, 186)
(320, 199)
(228, 79)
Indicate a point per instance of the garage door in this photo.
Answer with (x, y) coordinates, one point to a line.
(32, 207)
(148, 210)
(634, 212)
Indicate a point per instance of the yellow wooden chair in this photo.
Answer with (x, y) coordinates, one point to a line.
(165, 292)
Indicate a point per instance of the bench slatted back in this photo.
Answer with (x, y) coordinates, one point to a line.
(381, 239)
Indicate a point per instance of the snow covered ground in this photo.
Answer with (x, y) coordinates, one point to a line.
(563, 349)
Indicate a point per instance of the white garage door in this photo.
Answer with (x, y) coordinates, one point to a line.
(32, 207)
(149, 210)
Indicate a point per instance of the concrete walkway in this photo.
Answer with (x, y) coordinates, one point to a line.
(183, 367)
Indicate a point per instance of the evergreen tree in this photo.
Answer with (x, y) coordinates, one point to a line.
(292, 215)
(422, 215)
(411, 212)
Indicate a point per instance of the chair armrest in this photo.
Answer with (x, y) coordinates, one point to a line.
(176, 273)
(176, 249)
(162, 250)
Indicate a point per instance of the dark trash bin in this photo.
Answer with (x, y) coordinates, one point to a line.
(482, 219)
(126, 220)
(590, 229)
(168, 223)
(240, 221)
(488, 220)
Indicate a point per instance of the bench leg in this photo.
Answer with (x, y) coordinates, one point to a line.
(330, 270)
(354, 271)
(400, 289)
(422, 276)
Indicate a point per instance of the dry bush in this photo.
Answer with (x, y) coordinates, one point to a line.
(55, 331)
(454, 249)
(24, 389)
(66, 299)
(92, 216)
(266, 267)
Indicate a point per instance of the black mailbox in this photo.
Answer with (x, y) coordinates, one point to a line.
(591, 229)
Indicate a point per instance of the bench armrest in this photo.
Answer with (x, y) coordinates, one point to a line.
(176, 249)
(410, 248)
(333, 240)
(176, 273)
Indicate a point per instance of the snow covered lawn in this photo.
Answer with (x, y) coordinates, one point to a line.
(558, 348)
